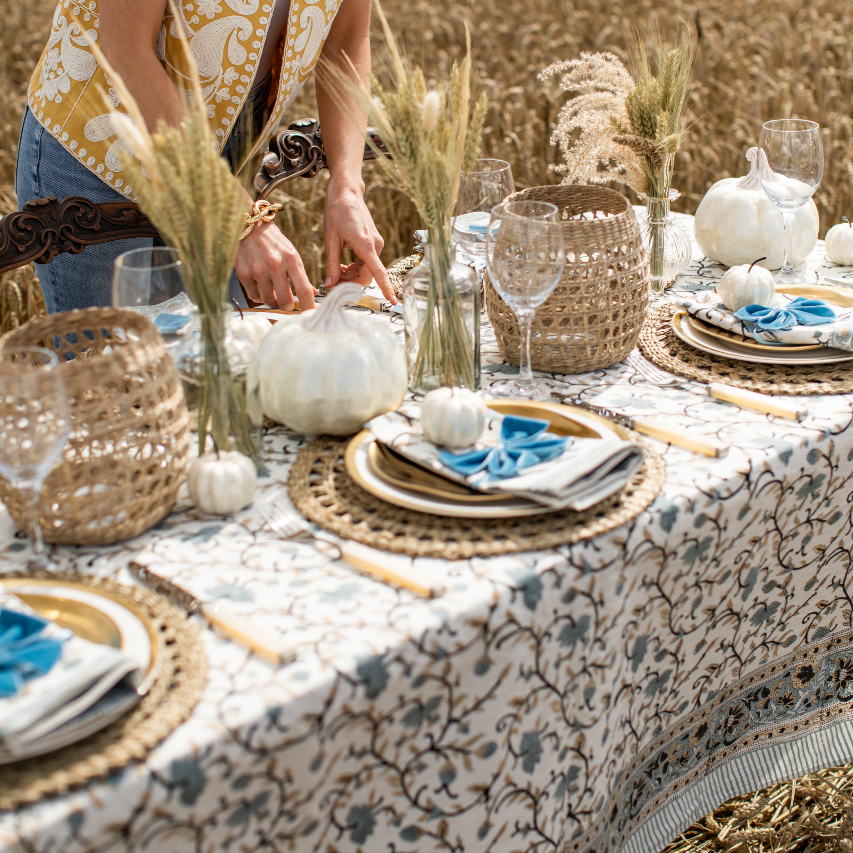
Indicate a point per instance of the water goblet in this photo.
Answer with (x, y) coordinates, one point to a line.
(487, 184)
(34, 424)
(144, 278)
(791, 175)
(525, 258)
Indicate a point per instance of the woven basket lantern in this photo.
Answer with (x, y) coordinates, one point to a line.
(128, 446)
(594, 316)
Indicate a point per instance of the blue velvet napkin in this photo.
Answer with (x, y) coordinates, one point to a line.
(171, 322)
(798, 312)
(24, 652)
(523, 444)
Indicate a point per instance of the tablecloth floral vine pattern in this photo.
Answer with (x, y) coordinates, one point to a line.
(601, 695)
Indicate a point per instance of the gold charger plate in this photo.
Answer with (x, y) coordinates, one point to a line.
(688, 335)
(391, 477)
(832, 295)
(80, 612)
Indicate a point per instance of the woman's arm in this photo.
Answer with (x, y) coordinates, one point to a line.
(348, 222)
(128, 32)
(128, 35)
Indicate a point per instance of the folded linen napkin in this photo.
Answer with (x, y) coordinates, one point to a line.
(80, 676)
(584, 473)
(798, 312)
(836, 333)
(25, 651)
(523, 442)
(170, 323)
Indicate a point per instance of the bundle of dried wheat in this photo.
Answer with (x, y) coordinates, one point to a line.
(629, 129)
(813, 814)
(189, 193)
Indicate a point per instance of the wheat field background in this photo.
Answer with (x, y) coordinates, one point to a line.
(759, 59)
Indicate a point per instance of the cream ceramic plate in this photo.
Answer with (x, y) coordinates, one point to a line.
(99, 618)
(685, 332)
(365, 465)
(832, 295)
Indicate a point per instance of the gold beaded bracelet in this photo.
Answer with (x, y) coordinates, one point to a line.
(262, 211)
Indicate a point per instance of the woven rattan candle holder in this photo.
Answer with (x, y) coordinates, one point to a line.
(594, 316)
(128, 447)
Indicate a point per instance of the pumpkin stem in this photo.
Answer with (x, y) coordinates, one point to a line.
(754, 263)
(845, 219)
(237, 306)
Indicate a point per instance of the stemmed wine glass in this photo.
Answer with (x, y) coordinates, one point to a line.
(793, 172)
(487, 184)
(525, 258)
(147, 277)
(34, 424)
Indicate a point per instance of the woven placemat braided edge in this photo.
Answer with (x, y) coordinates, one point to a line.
(169, 702)
(323, 492)
(660, 345)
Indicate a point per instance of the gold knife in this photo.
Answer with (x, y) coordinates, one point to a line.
(655, 428)
(234, 626)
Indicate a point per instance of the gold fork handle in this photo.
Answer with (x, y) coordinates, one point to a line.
(388, 568)
(679, 437)
(759, 402)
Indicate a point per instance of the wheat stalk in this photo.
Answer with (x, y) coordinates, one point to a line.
(186, 189)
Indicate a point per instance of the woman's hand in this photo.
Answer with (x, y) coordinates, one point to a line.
(265, 261)
(348, 224)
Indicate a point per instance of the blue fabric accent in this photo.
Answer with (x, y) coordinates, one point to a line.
(798, 312)
(24, 652)
(171, 322)
(523, 444)
(44, 168)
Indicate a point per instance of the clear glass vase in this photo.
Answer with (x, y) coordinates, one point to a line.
(667, 244)
(441, 314)
(221, 382)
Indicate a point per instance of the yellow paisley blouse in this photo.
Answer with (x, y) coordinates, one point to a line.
(226, 38)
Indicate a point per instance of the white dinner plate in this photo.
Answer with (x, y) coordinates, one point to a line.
(96, 617)
(565, 420)
(714, 346)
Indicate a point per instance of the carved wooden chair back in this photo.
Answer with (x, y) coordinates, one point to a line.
(47, 227)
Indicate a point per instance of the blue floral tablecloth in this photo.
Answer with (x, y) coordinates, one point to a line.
(598, 697)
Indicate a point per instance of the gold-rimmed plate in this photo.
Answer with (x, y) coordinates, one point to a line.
(832, 295)
(366, 464)
(741, 341)
(99, 617)
(713, 346)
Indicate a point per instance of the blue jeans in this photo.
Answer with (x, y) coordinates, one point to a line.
(45, 168)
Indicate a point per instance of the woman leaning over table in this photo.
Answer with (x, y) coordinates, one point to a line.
(253, 58)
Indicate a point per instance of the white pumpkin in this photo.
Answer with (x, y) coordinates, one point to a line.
(222, 483)
(250, 326)
(330, 370)
(453, 417)
(746, 285)
(839, 243)
(736, 222)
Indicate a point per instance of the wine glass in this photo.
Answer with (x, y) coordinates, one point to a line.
(792, 173)
(34, 424)
(487, 184)
(144, 278)
(525, 258)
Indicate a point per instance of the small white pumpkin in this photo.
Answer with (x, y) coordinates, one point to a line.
(329, 371)
(736, 222)
(222, 483)
(839, 243)
(746, 285)
(453, 417)
(250, 326)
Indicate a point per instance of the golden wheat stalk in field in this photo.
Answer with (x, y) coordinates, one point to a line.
(433, 135)
(188, 192)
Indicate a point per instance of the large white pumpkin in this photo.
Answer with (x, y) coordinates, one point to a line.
(736, 222)
(329, 371)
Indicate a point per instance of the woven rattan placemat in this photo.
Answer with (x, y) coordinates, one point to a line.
(659, 344)
(323, 492)
(170, 701)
